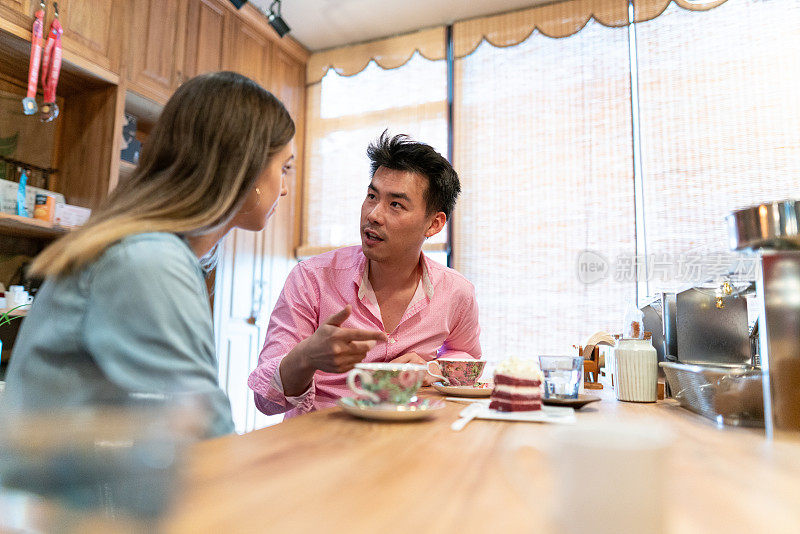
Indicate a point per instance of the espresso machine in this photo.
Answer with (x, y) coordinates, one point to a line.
(771, 231)
(708, 361)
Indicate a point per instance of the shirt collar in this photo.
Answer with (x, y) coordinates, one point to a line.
(427, 284)
(365, 288)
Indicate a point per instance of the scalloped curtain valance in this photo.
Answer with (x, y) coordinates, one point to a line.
(558, 19)
(389, 53)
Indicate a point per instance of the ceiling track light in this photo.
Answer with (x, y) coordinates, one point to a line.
(275, 19)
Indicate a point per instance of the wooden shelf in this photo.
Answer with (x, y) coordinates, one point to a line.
(15, 225)
(125, 169)
(145, 110)
(77, 74)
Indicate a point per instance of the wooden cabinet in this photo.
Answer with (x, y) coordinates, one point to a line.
(249, 52)
(92, 36)
(86, 160)
(15, 15)
(19, 8)
(92, 29)
(207, 29)
(157, 35)
(288, 83)
(16, 6)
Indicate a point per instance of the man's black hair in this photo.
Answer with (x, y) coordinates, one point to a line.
(401, 153)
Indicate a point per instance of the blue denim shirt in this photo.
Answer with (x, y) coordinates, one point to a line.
(136, 320)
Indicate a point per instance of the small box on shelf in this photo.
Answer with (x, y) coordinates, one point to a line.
(8, 197)
(45, 207)
(69, 216)
(50, 208)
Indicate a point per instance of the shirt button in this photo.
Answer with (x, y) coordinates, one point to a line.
(391, 340)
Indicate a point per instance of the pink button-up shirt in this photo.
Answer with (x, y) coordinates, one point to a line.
(441, 320)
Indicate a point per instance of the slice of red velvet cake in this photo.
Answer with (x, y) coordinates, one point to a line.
(517, 386)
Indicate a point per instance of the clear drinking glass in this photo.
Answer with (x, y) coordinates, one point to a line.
(118, 463)
(562, 376)
(635, 463)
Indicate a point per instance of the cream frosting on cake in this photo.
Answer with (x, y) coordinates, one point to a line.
(524, 368)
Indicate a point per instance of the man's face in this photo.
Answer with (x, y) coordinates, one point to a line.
(394, 216)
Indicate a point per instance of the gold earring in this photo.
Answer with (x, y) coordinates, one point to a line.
(258, 202)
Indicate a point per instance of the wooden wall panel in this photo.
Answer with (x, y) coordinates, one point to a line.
(156, 49)
(206, 31)
(249, 52)
(290, 89)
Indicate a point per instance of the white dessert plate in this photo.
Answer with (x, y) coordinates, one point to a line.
(462, 391)
(417, 409)
(548, 414)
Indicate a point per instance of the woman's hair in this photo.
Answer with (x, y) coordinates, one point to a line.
(214, 138)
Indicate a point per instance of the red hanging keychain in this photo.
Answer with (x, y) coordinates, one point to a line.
(29, 102)
(51, 68)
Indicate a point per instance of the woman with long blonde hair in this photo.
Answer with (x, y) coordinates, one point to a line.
(124, 307)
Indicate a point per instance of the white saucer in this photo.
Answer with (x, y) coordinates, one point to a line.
(418, 409)
(462, 391)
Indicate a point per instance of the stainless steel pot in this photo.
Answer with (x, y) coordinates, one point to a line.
(772, 230)
(772, 224)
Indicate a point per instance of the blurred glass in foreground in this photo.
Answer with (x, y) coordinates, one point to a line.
(117, 462)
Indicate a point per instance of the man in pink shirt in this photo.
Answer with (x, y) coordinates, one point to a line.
(383, 301)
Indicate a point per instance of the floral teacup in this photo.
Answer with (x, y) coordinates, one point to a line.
(394, 383)
(458, 372)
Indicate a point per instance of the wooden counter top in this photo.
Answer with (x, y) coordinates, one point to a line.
(329, 472)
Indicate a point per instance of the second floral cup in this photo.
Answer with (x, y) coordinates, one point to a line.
(458, 371)
(394, 383)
